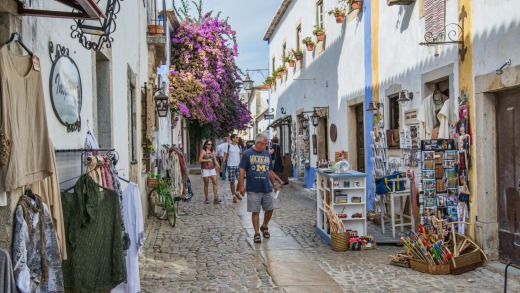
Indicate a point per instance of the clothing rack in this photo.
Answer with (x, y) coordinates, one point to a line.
(84, 150)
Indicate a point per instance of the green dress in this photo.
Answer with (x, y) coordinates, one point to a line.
(94, 232)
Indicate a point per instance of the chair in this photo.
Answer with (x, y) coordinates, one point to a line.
(517, 243)
(397, 200)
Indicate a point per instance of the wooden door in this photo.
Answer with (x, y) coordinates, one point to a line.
(508, 128)
(360, 138)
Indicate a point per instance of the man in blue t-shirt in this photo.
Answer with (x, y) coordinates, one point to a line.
(257, 166)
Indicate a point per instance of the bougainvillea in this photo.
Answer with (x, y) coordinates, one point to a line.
(203, 79)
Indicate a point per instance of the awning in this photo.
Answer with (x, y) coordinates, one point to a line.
(285, 120)
(84, 9)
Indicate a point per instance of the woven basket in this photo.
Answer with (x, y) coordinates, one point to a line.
(339, 241)
(152, 182)
(466, 262)
(423, 267)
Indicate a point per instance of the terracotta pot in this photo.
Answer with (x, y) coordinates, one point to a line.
(291, 63)
(340, 17)
(155, 29)
(279, 75)
(356, 5)
(284, 72)
(298, 56)
(310, 46)
(320, 36)
(267, 86)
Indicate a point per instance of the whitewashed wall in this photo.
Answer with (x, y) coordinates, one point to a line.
(338, 71)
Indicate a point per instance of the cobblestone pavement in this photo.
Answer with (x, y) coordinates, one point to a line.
(211, 250)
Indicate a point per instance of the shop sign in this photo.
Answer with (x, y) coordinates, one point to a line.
(268, 116)
(65, 88)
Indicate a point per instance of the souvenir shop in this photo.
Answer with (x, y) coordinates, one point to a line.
(77, 221)
(436, 154)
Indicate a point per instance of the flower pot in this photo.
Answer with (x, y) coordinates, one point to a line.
(340, 17)
(356, 5)
(155, 30)
(320, 36)
(284, 72)
(279, 75)
(152, 182)
(267, 86)
(310, 46)
(291, 63)
(298, 56)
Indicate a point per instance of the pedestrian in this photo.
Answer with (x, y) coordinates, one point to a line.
(220, 155)
(276, 156)
(257, 164)
(232, 155)
(208, 162)
(241, 144)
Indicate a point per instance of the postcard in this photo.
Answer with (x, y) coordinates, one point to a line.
(439, 157)
(429, 165)
(452, 210)
(453, 192)
(441, 199)
(430, 192)
(452, 182)
(428, 156)
(428, 183)
(439, 172)
(452, 200)
(440, 185)
(450, 173)
(430, 201)
(429, 174)
(450, 155)
(449, 164)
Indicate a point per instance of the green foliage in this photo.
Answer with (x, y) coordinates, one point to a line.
(318, 29)
(307, 40)
(337, 10)
(297, 51)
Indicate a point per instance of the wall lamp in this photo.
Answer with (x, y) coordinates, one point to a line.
(283, 111)
(499, 71)
(315, 117)
(404, 97)
(162, 104)
(374, 106)
(304, 121)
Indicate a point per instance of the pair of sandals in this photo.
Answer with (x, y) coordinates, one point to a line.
(265, 233)
(236, 197)
(215, 201)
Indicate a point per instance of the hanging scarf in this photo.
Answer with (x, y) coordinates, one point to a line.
(29, 209)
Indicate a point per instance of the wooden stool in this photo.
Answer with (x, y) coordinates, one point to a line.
(399, 197)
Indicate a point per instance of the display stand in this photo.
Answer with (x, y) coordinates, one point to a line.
(346, 195)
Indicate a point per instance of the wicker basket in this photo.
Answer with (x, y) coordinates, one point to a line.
(339, 241)
(466, 262)
(152, 182)
(423, 267)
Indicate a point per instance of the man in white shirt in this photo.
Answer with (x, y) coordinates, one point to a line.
(221, 148)
(232, 156)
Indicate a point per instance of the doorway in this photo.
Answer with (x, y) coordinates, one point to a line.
(360, 139)
(508, 173)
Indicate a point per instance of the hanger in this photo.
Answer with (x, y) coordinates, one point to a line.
(125, 180)
(16, 37)
(28, 192)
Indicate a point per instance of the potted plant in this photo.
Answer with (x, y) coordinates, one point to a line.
(319, 32)
(289, 59)
(309, 43)
(268, 81)
(155, 29)
(339, 13)
(297, 53)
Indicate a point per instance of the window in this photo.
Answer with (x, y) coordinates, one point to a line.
(298, 36)
(393, 112)
(284, 48)
(319, 13)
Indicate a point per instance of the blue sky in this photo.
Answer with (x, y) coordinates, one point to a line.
(250, 19)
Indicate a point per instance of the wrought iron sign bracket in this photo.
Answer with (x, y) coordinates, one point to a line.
(453, 31)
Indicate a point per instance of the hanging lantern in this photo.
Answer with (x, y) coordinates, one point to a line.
(162, 104)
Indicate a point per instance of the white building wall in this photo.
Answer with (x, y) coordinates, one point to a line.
(327, 78)
(129, 48)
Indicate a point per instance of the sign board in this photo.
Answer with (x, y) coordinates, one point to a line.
(410, 117)
(268, 116)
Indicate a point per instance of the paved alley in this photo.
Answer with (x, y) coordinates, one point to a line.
(211, 250)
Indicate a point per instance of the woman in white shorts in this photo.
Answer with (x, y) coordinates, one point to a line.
(208, 162)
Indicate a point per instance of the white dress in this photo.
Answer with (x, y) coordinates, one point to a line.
(133, 217)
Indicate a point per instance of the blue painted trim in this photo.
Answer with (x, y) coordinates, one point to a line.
(310, 177)
(342, 175)
(324, 236)
(369, 122)
(294, 172)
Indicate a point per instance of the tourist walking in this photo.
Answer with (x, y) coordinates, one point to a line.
(220, 156)
(208, 163)
(276, 156)
(257, 165)
(232, 155)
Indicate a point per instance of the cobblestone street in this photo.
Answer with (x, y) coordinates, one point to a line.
(211, 250)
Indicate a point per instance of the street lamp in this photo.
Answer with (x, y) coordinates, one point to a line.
(162, 104)
(247, 82)
(315, 118)
(304, 121)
